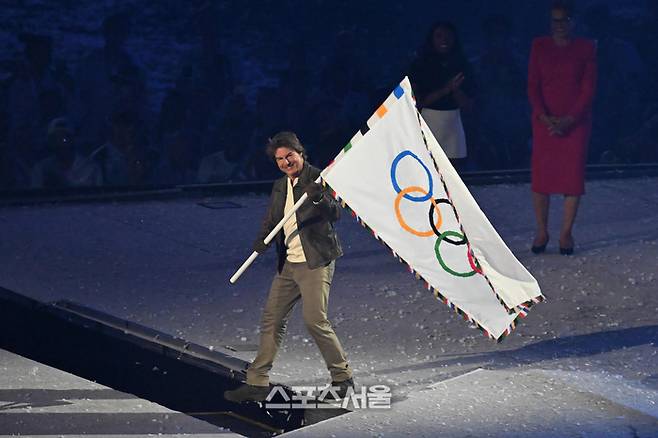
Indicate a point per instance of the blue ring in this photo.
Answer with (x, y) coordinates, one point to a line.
(397, 188)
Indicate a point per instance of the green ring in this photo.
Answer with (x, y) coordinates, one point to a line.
(440, 259)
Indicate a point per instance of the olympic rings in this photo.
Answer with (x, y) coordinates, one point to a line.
(448, 236)
(474, 266)
(394, 180)
(403, 193)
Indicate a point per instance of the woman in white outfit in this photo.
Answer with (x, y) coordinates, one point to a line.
(442, 81)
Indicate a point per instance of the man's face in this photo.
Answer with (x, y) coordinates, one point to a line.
(289, 161)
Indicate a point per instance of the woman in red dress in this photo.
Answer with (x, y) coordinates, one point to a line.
(561, 83)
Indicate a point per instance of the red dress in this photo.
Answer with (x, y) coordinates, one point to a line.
(561, 82)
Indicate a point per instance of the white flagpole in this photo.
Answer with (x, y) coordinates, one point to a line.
(270, 236)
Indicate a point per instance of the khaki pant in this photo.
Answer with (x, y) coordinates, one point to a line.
(297, 281)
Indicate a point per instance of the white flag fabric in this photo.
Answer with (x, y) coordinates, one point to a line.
(398, 182)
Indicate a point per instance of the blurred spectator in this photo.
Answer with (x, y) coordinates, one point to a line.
(502, 124)
(109, 80)
(442, 79)
(646, 41)
(345, 79)
(641, 145)
(65, 166)
(267, 119)
(205, 79)
(227, 162)
(6, 173)
(6, 176)
(296, 89)
(620, 85)
(126, 158)
(173, 117)
(36, 94)
(330, 132)
(179, 163)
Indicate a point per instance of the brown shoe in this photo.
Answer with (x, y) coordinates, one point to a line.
(247, 392)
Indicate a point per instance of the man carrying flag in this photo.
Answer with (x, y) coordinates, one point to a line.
(395, 179)
(307, 248)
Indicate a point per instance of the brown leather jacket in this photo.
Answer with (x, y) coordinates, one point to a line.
(315, 222)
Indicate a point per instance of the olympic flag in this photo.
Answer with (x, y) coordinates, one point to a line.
(398, 182)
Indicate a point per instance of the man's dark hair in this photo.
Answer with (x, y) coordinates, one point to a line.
(284, 139)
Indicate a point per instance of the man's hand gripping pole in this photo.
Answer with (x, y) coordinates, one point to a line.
(270, 236)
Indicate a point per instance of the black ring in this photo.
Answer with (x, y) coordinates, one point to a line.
(463, 241)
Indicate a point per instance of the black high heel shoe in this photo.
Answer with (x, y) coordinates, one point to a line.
(538, 249)
(566, 251)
